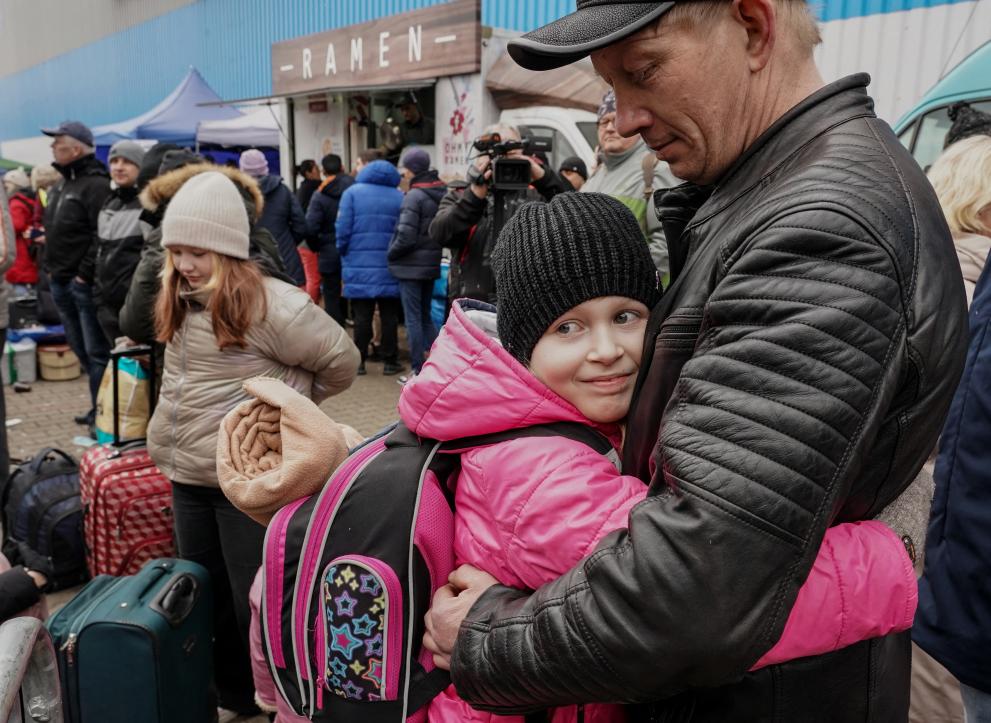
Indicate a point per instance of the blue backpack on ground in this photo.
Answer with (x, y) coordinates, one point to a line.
(43, 518)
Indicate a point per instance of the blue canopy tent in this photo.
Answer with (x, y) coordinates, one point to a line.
(174, 120)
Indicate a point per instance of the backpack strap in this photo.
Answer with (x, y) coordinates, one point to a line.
(572, 430)
(427, 688)
(49, 453)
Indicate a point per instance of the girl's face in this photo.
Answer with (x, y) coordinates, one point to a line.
(193, 264)
(591, 354)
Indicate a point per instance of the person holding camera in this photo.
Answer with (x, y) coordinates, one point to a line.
(465, 218)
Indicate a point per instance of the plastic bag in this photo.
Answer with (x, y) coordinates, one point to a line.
(132, 402)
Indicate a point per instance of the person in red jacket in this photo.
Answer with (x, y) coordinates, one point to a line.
(24, 214)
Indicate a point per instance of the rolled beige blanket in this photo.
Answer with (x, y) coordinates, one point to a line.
(276, 448)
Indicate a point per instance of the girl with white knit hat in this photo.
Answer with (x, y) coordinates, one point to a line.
(224, 322)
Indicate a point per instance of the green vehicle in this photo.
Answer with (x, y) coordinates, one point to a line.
(923, 129)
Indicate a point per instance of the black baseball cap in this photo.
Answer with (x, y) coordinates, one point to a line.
(575, 164)
(73, 129)
(594, 25)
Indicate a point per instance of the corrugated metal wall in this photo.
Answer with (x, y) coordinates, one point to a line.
(905, 52)
(229, 41)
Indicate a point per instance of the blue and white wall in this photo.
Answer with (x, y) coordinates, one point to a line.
(107, 60)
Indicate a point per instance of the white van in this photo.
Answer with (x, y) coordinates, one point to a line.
(572, 131)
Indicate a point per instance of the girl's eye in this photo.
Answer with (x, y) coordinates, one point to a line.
(567, 328)
(627, 317)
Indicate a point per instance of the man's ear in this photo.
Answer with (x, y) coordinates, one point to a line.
(759, 18)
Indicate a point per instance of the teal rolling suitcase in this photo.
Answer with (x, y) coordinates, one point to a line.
(138, 648)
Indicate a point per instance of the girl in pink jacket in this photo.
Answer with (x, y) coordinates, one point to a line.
(573, 313)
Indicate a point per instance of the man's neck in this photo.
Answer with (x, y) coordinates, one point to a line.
(782, 90)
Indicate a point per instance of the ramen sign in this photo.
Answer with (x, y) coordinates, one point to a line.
(443, 39)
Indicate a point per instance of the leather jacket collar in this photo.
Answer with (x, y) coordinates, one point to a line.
(689, 205)
(829, 106)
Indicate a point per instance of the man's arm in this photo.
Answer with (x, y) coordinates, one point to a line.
(96, 195)
(407, 229)
(457, 213)
(770, 422)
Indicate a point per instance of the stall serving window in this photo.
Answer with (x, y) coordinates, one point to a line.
(392, 120)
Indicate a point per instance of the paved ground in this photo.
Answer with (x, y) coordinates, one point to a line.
(46, 412)
(45, 419)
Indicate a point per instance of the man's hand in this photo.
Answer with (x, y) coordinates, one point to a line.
(481, 176)
(80, 280)
(536, 170)
(450, 605)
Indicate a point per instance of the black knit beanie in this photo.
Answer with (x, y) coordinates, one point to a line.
(551, 257)
(967, 122)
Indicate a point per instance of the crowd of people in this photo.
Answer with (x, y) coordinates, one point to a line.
(756, 297)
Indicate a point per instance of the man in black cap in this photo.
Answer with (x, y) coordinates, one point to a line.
(574, 171)
(71, 221)
(796, 374)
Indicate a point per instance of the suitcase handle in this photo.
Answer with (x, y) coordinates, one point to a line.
(133, 351)
(177, 599)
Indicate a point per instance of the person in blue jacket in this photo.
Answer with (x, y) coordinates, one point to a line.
(366, 221)
(320, 218)
(281, 215)
(414, 257)
(953, 620)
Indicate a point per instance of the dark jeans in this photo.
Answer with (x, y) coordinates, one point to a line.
(364, 310)
(228, 543)
(417, 297)
(331, 287)
(82, 330)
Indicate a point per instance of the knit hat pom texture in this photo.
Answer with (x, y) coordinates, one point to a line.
(551, 257)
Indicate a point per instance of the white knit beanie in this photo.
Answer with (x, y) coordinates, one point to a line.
(208, 213)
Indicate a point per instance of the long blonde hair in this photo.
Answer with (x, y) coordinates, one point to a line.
(962, 179)
(237, 300)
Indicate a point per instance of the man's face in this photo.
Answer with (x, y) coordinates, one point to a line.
(124, 173)
(65, 151)
(689, 103)
(610, 141)
(411, 113)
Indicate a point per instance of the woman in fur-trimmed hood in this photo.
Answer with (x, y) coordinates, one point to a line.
(137, 315)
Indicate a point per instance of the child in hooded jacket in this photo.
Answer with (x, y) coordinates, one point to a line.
(573, 310)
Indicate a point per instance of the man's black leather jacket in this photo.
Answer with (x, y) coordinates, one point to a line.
(795, 375)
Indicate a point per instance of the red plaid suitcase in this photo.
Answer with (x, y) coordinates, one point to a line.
(127, 501)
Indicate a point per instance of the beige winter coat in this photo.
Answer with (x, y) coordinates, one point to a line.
(297, 342)
(972, 251)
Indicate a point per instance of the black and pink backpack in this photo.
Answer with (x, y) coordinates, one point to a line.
(349, 575)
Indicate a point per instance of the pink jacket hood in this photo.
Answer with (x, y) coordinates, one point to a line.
(470, 385)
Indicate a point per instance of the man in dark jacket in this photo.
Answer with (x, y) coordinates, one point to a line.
(119, 236)
(320, 218)
(281, 214)
(70, 248)
(414, 257)
(464, 222)
(953, 621)
(796, 374)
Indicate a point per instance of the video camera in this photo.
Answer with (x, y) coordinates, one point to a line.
(510, 174)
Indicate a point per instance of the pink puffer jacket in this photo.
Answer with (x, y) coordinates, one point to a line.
(527, 510)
